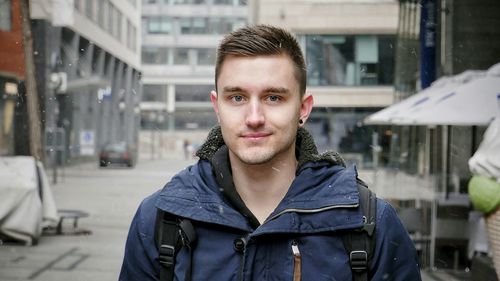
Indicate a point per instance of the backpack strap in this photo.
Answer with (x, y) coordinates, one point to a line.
(360, 243)
(171, 234)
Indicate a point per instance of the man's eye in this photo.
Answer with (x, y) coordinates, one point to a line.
(237, 98)
(274, 98)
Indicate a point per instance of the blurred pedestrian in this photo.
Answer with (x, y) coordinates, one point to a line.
(186, 146)
(484, 186)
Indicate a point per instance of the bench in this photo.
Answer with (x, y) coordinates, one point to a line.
(70, 214)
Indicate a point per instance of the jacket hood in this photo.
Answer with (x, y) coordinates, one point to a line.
(322, 197)
(306, 149)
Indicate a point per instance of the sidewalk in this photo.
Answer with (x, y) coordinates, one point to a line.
(111, 197)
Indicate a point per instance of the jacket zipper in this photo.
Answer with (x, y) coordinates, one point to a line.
(311, 210)
(297, 262)
(243, 260)
(242, 266)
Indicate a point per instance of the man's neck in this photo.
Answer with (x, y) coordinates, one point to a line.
(262, 187)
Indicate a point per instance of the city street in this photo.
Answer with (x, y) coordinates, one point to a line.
(110, 196)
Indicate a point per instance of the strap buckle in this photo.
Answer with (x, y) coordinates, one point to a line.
(166, 255)
(187, 233)
(359, 260)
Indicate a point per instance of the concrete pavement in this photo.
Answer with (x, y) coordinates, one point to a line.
(110, 196)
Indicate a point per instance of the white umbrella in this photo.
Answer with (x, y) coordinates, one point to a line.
(390, 114)
(473, 103)
(468, 98)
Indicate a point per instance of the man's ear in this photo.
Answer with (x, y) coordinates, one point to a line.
(213, 99)
(306, 107)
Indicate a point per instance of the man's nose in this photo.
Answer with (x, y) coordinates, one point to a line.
(255, 115)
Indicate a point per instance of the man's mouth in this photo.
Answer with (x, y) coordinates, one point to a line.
(255, 136)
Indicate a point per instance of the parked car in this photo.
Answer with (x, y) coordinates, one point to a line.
(117, 153)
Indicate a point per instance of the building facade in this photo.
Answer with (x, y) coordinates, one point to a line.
(11, 71)
(87, 60)
(350, 49)
(441, 38)
(179, 39)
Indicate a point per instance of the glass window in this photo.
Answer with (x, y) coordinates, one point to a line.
(206, 56)
(223, 2)
(129, 34)
(327, 59)
(349, 60)
(194, 25)
(230, 24)
(226, 25)
(202, 120)
(111, 20)
(118, 25)
(231, 2)
(154, 55)
(199, 25)
(158, 24)
(181, 56)
(193, 92)
(186, 2)
(100, 13)
(134, 38)
(153, 92)
(237, 23)
(343, 130)
(154, 25)
(166, 25)
(89, 5)
(367, 57)
(386, 53)
(149, 2)
(105, 20)
(5, 15)
(185, 24)
(215, 25)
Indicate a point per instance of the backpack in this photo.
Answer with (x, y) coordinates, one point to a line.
(173, 232)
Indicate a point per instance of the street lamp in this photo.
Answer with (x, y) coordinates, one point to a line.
(58, 82)
(137, 110)
(122, 106)
(152, 119)
(156, 120)
(160, 119)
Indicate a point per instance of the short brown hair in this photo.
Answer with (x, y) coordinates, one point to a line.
(262, 40)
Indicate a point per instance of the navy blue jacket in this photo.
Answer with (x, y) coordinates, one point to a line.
(321, 202)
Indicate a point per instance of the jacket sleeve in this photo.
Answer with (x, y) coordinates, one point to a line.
(395, 257)
(140, 259)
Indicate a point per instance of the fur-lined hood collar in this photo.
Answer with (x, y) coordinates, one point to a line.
(306, 148)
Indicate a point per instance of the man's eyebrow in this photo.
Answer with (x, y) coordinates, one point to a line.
(231, 89)
(277, 90)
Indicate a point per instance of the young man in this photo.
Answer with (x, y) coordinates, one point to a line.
(263, 203)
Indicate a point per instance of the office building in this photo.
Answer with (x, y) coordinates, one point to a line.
(87, 60)
(350, 49)
(179, 40)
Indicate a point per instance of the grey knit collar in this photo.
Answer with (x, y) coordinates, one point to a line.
(306, 149)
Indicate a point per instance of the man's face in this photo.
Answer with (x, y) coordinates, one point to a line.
(258, 105)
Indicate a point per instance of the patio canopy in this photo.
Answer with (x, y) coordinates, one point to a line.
(467, 99)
